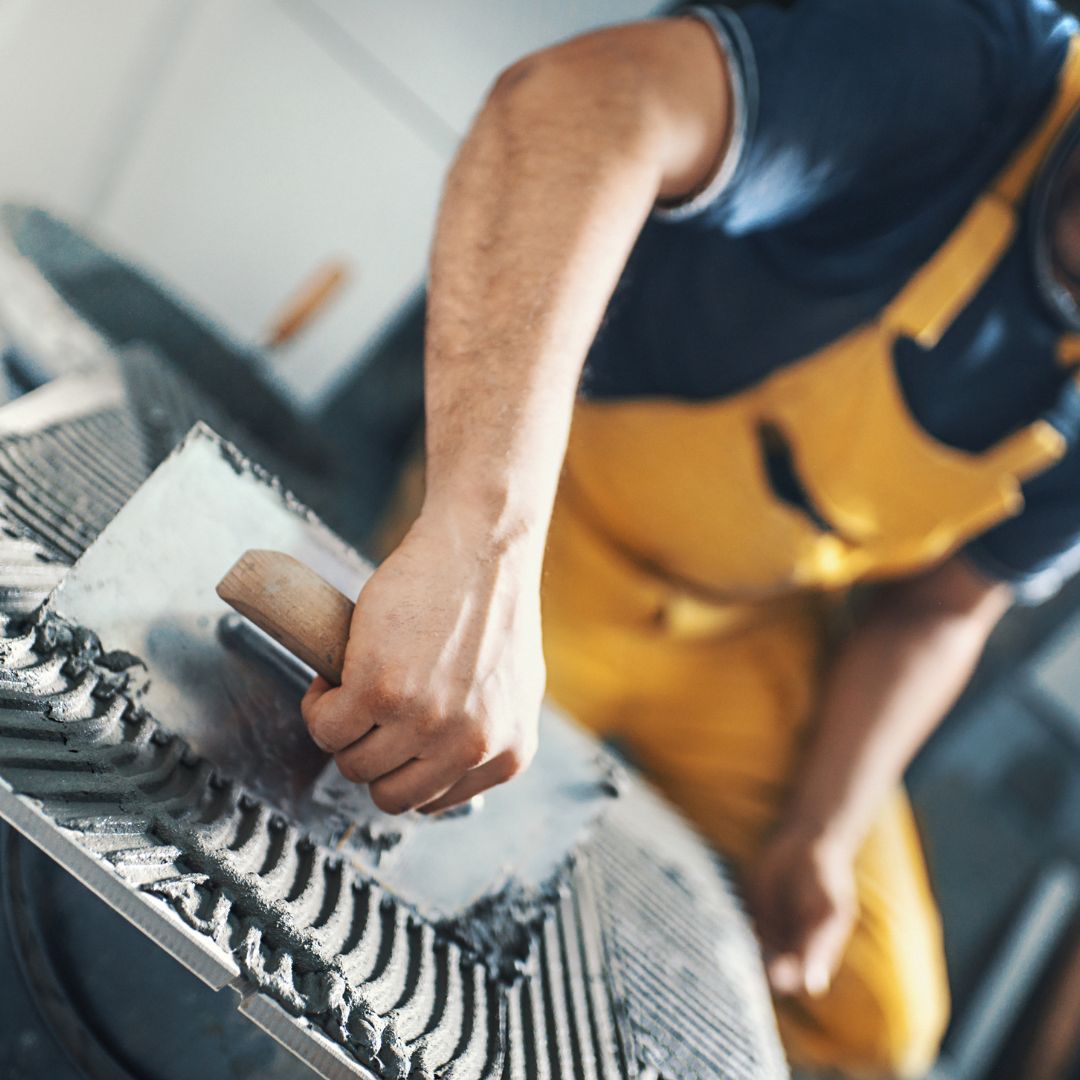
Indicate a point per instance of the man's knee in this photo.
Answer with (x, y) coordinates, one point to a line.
(906, 1042)
(886, 1026)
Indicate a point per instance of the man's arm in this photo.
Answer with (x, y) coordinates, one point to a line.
(890, 686)
(444, 672)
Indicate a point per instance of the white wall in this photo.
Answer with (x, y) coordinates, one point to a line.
(71, 78)
(232, 146)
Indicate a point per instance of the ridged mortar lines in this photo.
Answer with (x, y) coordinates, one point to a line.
(383, 986)
(111, 840)
(332, 899)
(573, 990)
(252, 823)
(611, 1056)
(35, 679)
(42, 513)
(120, 451)
(284, 861)
(55, 535)
(533, 1062)
(345, 927)
(117, 438)
(428, 1022)
(63, 485)
(180, 792)
(556, 1005)
(666, 1005)
(435, 1047)
(100, 724)
(388, 1014)
(27, 576)
(421, 1012)
(214, 815)
(152, 770)
(690, 1016)
(17, 650)
(415, 1005)
(375, 918)
(515, 1061)
(480, 1052)
(307, 891)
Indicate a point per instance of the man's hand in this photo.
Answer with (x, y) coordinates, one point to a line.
(444, 673)
(801, 892)
(889, 685)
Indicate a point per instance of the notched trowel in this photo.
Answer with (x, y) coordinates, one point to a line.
(147, 586)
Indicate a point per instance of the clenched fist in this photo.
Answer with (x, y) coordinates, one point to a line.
(444, 674)
(801, 893)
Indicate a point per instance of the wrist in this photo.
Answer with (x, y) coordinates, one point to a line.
(484, 532)
(488, 519)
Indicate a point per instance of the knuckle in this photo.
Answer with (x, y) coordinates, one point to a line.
(335, 723)
(349, 770)
(516, 760)
(513, 763)
(388, 800)
(509, 767)
(384, 694)
(353, 769)
(429, 722)
(319, 727)
(526, 752)
(475, 745)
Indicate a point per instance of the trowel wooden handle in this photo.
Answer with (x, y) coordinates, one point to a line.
(295, 606)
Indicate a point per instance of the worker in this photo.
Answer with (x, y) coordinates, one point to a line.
(748, 307)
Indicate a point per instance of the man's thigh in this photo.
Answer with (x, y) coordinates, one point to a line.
(711, 701)
(717, 716)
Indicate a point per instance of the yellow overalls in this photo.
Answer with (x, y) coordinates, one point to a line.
(685, 606)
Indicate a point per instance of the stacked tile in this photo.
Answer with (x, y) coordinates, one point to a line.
(93, 437)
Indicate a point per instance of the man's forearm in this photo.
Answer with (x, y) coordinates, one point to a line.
(889, 688)
(444, 672)
(539, 215)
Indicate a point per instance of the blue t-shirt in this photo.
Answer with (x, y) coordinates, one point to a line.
(864, 131)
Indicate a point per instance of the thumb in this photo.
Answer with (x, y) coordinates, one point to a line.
(821, 949)
(786, 974)
(309, 706)
(318, 687)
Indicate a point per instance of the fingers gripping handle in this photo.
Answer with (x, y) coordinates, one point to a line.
(294, 605)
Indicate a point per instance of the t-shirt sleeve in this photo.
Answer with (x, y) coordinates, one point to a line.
(852, 105)
(1038, 550)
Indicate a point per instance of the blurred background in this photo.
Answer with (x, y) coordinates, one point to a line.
(242, 193)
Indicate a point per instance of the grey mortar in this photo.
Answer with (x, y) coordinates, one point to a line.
(643, 964)
(624, 973)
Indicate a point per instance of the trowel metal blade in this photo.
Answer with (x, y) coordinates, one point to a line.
(146, 586)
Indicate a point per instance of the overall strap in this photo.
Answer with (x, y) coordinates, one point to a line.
(1016, 177)
(929, 303)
